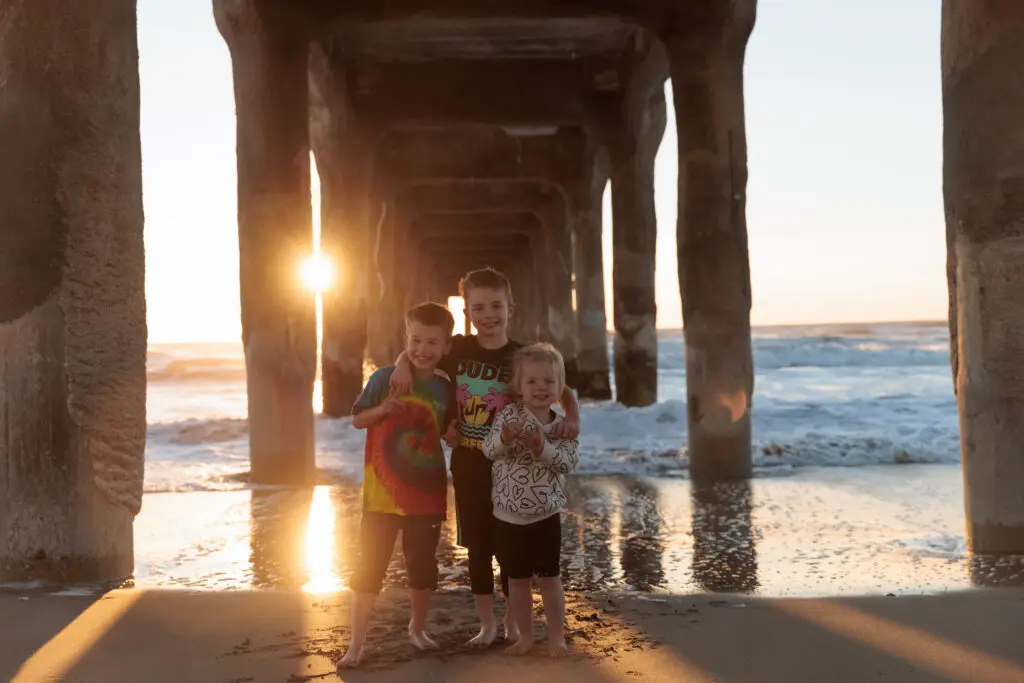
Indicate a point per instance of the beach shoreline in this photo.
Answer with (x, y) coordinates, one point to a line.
(838, 574)
(870, 530)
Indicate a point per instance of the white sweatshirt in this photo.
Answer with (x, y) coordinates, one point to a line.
(525, 489)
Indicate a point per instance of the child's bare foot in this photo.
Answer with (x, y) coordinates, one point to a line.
(351, 658)
(520, 647)
(488, 632)
(421, 641)
(511, 628)
(558, 648)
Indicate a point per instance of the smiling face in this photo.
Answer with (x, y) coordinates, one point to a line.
(489, 309)
(425, 345)
(537, 382)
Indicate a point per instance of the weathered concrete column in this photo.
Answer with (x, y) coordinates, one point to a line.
(379, 318)
(634, 239)
(592, 379)
(72, 294)
(560, 320)
(533, 309)
(982, 50)
(344, 153)
(706, 56)
(269, 59)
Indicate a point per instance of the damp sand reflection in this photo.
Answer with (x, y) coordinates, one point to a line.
(811, 534)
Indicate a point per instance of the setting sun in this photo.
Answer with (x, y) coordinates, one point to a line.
(316, 273)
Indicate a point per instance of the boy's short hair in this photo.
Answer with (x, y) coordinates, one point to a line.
(539, 353)
(485, 278)
(432, 314)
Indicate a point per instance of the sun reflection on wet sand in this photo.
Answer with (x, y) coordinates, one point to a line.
(820, 532)
(320, 546)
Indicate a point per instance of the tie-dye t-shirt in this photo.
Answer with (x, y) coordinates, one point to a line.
(404, 470)
(482, 386)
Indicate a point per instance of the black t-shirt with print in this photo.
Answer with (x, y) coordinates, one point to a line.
(482, 381)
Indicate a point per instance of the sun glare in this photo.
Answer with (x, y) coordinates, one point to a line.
(316, 273)
(321, 574)
(457, 305)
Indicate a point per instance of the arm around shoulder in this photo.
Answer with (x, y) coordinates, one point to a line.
(570, 427)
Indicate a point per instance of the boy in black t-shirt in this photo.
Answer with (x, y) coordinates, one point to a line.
(481, 367)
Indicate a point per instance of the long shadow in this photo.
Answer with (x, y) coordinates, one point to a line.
(25, 628)
(295, 542)
(969, 637)
(182, 636)
(724, 547)
(981, 617)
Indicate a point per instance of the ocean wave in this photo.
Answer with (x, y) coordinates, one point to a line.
(196, 369)
(213, 455)
(827, 347)
(823, 352)
(196, 431)
(826, 396)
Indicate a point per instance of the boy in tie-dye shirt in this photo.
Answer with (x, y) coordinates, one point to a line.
(405, 487)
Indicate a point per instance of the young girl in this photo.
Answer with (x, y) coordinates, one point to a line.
(528, 492)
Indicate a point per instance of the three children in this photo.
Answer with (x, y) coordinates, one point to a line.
(480, 368)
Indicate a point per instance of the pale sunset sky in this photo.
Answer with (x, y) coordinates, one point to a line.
(844, 135)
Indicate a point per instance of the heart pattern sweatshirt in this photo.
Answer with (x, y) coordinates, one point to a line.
(526, 489)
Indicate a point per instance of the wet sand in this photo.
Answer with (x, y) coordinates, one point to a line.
(815, 532)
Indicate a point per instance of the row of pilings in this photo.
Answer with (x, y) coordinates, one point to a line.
(448, 137)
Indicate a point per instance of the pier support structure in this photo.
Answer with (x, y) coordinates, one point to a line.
(633, 144)
(270, 59)
(983, 179)
(587, 197)
(706, 50)
(72, 292)
(344, 147)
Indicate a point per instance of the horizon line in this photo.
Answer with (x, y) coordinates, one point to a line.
(909, 321)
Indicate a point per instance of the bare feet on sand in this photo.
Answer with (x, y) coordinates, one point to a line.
(558, 648)
(520, 647)
(351, 658)
(420, 640)
(488, 632)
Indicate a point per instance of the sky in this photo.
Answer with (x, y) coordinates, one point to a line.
(844, 198)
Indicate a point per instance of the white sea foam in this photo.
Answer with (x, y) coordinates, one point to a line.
(826, 395)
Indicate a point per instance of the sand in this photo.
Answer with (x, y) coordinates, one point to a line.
(284, 636)
(832, 575)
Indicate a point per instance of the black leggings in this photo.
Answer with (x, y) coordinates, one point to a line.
(471, 475)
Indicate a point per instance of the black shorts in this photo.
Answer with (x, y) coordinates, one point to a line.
(377, 533)
(528, 550)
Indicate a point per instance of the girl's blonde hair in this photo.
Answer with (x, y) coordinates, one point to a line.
(539, 353)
